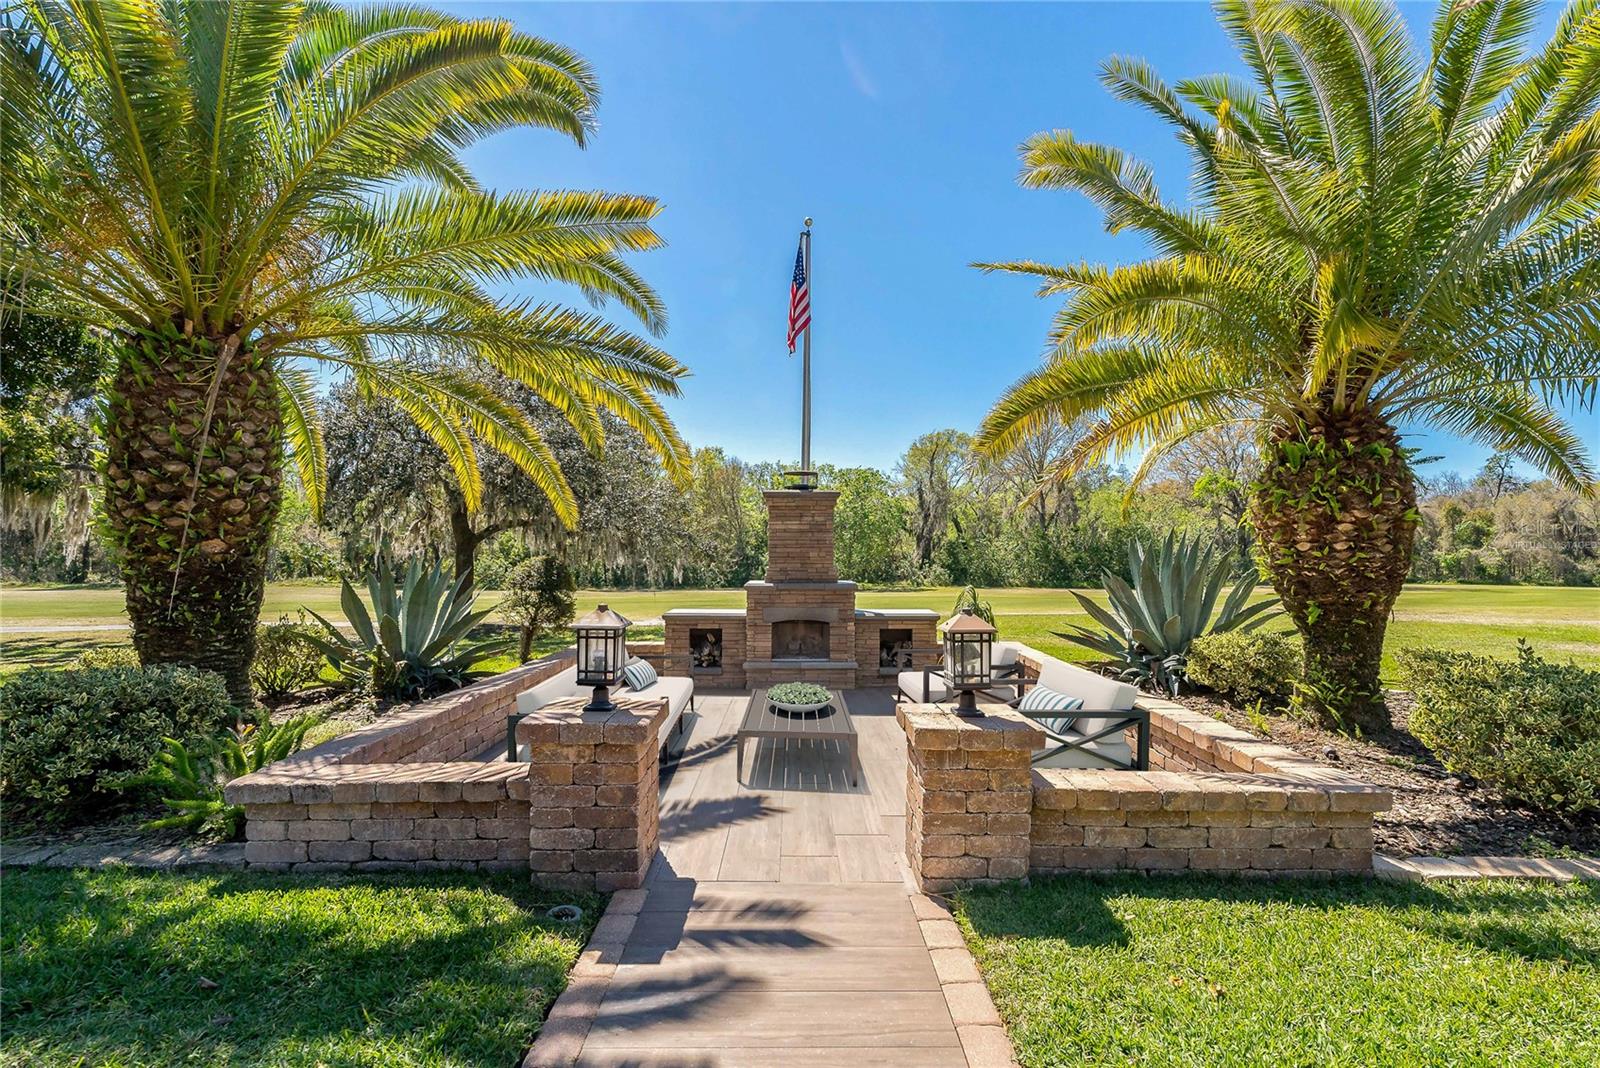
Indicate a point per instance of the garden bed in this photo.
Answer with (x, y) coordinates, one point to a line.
(1435, 812)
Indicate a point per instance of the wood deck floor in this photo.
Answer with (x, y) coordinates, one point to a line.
(778, 927)
(795, 818)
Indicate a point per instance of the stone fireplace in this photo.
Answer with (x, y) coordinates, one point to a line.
(800, 620)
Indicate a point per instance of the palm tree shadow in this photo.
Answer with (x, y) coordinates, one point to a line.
(735, 920)
(680, 818)
(700, 752)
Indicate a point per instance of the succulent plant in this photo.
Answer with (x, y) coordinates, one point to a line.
(798, 693)
(414, 647)
(1170, 601)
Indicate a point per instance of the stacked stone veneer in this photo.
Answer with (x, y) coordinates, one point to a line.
(593, 818)
(801, 583)
(1217, 799)
(400, 793)
(924, 627)
(800, 535)
(969, 795)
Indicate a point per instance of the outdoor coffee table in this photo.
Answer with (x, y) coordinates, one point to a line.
(762, 719)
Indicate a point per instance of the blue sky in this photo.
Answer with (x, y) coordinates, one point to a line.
(896, 127)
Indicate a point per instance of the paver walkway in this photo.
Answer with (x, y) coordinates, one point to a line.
(777, 926)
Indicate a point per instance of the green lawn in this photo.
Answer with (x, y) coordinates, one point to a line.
(1562, 622)
(107, 968)
(1196, 971)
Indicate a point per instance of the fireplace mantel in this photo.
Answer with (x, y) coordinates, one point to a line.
(799, 613)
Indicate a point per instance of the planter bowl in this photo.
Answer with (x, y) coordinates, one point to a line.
(798, 709)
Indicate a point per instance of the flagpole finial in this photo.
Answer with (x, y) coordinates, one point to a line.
(808, 222)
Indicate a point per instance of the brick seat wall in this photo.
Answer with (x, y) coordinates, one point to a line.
(379, 816)
(1216, 799)
(398, 793)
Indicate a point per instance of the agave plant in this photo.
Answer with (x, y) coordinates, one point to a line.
(1168, 603)
(190, 783)
(414, 648)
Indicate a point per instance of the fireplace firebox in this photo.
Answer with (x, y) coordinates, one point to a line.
(800, 639)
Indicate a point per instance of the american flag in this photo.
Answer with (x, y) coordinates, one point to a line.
(799, 297)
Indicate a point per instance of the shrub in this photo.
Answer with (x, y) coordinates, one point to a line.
(1247, 666)
(543, 596)
(287, 658)
(110, 656)
(65, 736)
(1529, 728)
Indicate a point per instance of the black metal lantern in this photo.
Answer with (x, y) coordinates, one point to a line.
(602, 654)
(968, 657)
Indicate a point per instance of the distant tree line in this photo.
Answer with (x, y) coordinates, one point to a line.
(942, 515)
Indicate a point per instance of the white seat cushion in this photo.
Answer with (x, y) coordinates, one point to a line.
(1004, 654)
(677, 689)
(1097, 692)
(911, 684)
(555, 687)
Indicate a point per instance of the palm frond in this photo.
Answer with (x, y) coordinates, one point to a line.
(302, 431)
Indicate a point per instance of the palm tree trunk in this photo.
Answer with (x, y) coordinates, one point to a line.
(1335, 508)
(193, 542)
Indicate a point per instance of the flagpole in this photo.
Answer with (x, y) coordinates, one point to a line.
(805, 366)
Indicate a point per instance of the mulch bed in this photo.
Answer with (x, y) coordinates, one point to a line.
(1435, 813)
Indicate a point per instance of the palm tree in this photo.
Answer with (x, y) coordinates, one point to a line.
(1377, 240)
(242, 191)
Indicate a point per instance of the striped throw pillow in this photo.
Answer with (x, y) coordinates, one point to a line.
(640, 674)
(1043, 699)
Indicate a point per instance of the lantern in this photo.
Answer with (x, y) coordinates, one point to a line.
(968, 657)
(602, 654)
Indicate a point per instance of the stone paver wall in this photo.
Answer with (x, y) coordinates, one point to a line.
(969, 795)
(401, 792)
(977, 812)
(800, 535)
(379, 816)
(679, 622)
(1216, 799)
(594, 792)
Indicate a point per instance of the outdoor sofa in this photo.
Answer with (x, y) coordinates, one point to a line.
(1091, 736)
(677, 689)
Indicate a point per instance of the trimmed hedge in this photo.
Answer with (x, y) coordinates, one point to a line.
(1247, 666)
(1527, 727)
(66, 736)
